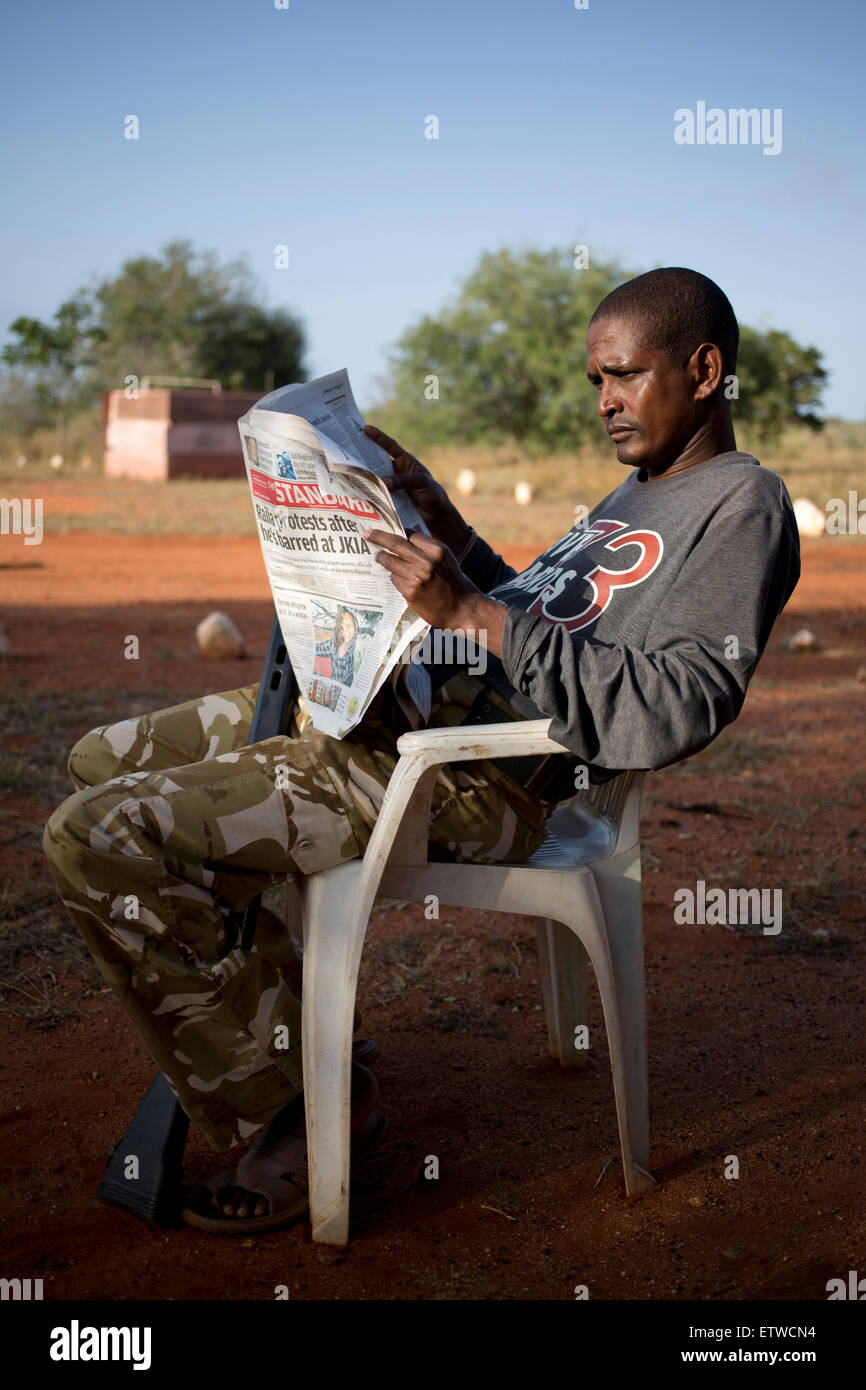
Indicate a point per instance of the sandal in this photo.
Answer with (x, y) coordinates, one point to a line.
(366, 1051)
(283, 1178)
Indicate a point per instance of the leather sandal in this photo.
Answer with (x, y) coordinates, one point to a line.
(364, 1050)
(283, 1178)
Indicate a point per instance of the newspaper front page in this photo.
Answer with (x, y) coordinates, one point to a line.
(329, 405)
(345, 625)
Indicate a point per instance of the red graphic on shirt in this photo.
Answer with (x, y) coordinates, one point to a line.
(603, 582)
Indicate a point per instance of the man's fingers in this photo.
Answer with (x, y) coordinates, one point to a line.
(385, 538)
(391, 542)
(384, 440)
(433, 549)
(396, 565)
(400, 545)
(407, 481)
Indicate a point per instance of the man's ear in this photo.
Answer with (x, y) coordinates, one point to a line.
(707, 370)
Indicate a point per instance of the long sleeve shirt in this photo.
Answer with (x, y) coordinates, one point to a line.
(638, 632)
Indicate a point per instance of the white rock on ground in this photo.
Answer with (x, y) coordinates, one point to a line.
(522, 494)
(55, 461)
(811, 521)
(218, 638)
(803, 641)
(465, 482)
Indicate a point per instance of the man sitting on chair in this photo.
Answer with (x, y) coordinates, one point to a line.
(636, 635)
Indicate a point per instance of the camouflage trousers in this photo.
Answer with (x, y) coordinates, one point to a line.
(177, 822)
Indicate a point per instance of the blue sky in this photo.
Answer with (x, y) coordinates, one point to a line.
(305, 127)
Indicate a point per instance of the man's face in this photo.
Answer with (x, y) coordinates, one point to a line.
(646, 401)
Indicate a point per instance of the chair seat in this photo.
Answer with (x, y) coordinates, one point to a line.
(575, 836)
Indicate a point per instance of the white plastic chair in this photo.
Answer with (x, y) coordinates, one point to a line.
(584, 887)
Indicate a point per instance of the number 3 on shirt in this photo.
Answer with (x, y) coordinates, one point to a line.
(603, 582)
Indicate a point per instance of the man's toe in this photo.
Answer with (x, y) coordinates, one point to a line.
(232, 1202)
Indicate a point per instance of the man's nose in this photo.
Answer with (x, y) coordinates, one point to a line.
(609, 399)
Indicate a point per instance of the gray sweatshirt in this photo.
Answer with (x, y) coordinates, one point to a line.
(638, 632)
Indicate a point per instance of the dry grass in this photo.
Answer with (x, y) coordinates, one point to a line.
(38, 942)
(815, 466)
(76, 499)
(83, 441)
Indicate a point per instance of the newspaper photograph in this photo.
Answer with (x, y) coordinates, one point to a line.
(344, 623)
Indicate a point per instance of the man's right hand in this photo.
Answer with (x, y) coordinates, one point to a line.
(430, 498)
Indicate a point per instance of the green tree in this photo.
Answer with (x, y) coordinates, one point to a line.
(54, 357)
(181, 313)
(249, 348)
(509, 356)
(184, 314)
(509, 361)
(779, 383)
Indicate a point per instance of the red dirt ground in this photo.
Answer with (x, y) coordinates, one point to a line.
(756, 1043)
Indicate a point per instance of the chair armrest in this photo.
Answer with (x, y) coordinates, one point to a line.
(461, 743)
(401, 831)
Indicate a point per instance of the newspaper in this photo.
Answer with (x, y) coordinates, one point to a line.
(329, 405)
(315, 483)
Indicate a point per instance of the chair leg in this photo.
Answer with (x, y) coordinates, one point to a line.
(562, 957)
(619, 887)
(333, 940)
(596, 910)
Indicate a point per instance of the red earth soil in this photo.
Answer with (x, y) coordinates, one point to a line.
(756, 1043)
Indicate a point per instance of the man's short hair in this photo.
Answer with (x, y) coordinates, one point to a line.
(676, 310)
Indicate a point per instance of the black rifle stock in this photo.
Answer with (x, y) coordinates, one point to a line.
(157, 1135)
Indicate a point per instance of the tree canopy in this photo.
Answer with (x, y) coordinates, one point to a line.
(780, 382)
(181, 313)
(53, 357)
(508, 360)
(184, 314)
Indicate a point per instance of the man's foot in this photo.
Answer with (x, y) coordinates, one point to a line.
(364, 1050)
(269, 1186)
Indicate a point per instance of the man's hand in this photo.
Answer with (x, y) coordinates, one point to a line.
(426, 573)
(430, 498)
